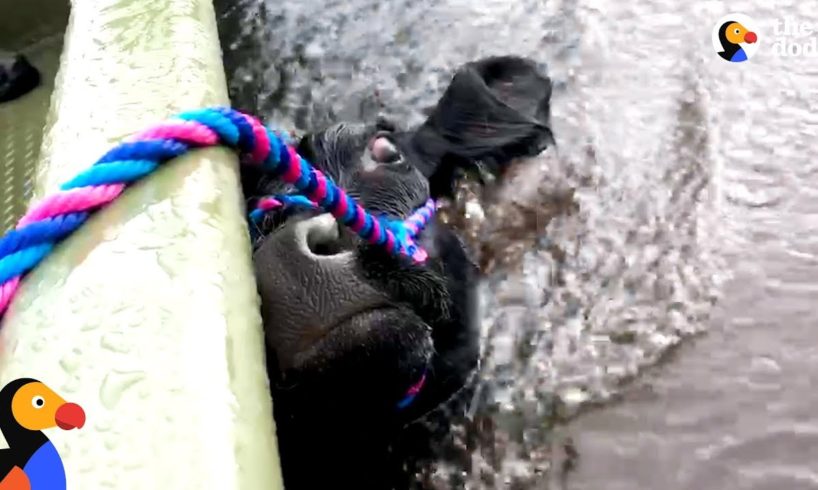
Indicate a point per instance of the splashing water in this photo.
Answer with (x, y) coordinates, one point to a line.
(614, 247)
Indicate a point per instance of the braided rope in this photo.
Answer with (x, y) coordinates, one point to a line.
(57, 216)
(413, 225)
(412, 392)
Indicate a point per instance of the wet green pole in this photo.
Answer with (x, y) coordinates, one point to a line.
(149, 317)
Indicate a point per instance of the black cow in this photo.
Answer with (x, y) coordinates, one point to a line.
(351, 329)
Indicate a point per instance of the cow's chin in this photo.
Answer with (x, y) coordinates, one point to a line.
(337, 337)
(378, 353)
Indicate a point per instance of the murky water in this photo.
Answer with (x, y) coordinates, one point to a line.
(657, 269)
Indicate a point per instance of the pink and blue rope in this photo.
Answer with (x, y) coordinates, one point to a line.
(410, 227)
(412, 392)
(57, 216)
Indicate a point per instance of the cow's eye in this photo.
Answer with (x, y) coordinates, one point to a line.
(384, 151)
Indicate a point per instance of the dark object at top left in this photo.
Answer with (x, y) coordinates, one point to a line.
(17, 77)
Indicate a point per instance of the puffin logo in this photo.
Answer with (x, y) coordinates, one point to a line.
(734, 38)
(31, 462)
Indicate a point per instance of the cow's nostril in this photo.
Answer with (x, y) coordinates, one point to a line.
(324, 245)
(321, 236)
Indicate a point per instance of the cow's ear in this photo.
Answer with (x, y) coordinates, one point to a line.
(495, 110)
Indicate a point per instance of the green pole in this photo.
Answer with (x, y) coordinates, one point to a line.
(149, 317)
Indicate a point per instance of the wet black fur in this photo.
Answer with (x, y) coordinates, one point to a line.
(337, 421)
